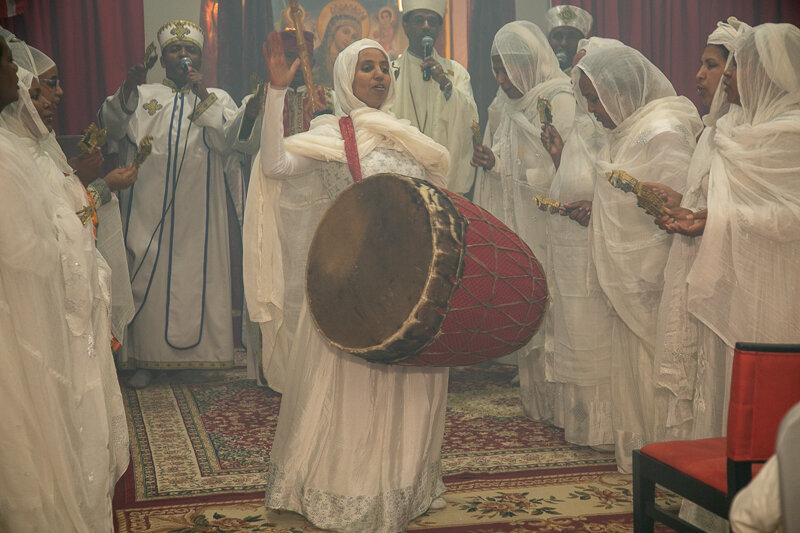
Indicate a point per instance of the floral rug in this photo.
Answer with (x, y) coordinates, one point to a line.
(200, 450)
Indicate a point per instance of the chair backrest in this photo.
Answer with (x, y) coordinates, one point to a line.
(788, 449)
(765, 384)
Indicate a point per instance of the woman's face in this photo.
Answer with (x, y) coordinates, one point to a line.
(345, 34)
(42, 104)
(8, 76)
(712, 65)
(372, 79)
(503, 80)
(51, 86)
(729, 81)
(593, 102)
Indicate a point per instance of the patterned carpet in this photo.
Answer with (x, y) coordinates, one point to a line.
(200, 449)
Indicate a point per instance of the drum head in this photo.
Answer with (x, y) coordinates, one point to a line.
(369, 262)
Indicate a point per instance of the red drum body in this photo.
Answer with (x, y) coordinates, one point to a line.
(402, 272)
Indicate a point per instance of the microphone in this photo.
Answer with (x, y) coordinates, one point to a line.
(427, 45)
(186, 64)
(563, 60)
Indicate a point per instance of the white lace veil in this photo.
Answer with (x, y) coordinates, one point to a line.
(625, 81)
(523, 48)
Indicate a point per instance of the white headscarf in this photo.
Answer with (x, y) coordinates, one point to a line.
(724, 35)
(743, 282)
(533, 69)
(21, 117)
(592, 43)
(373, 127)
(41, 61)
(625, 81)
(531, 66)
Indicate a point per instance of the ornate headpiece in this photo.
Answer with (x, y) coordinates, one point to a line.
(343, 8)
(571, 16)
(180, 30)
(438, 6)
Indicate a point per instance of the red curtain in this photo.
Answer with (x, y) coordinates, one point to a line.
(673, 33)
(93, 42)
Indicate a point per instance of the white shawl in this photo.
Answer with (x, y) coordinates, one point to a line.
(653, 141)
(743, 284)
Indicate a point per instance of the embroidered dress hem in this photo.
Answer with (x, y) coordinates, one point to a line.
(388, 511)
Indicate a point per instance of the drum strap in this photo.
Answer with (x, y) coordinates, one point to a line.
(350, 147)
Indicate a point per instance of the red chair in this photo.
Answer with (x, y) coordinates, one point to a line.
(764, 386)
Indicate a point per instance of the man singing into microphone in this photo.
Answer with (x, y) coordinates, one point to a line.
(175, 217)
(434, 93)
(566, 25)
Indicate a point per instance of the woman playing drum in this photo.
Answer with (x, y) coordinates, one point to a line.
(357, 446)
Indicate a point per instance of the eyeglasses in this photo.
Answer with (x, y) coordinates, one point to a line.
(434, 21)
(50, 82)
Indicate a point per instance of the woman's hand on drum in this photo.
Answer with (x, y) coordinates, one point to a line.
(683, 221)
(279, 75)
(669, 196)
(580, 211)
(553, 143)
(482, 156)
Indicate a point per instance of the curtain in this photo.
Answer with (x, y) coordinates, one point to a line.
(486, 17)
(93, 42)
(235, 31)
(673, 33)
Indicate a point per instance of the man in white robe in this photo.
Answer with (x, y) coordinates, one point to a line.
(175, 216)
(441, 106)
(566, 26)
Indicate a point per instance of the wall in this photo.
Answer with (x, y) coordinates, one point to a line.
(533, 10)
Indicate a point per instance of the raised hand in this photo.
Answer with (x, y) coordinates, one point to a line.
(280, 76)
(553, 143)
(137, 75)
(482, 156)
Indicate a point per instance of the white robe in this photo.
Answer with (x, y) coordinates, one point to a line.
(524, 169)
(180, 270)
(42, 486)
(446, 121)
(357, 446)
(580, 355)
(653, 141)
(99, 432)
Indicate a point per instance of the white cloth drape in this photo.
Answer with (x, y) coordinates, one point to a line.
(682, 363)
(357, 446)
(99, 433)
(738, 285)
(653, 141)
(524, 169)
(580, 358)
